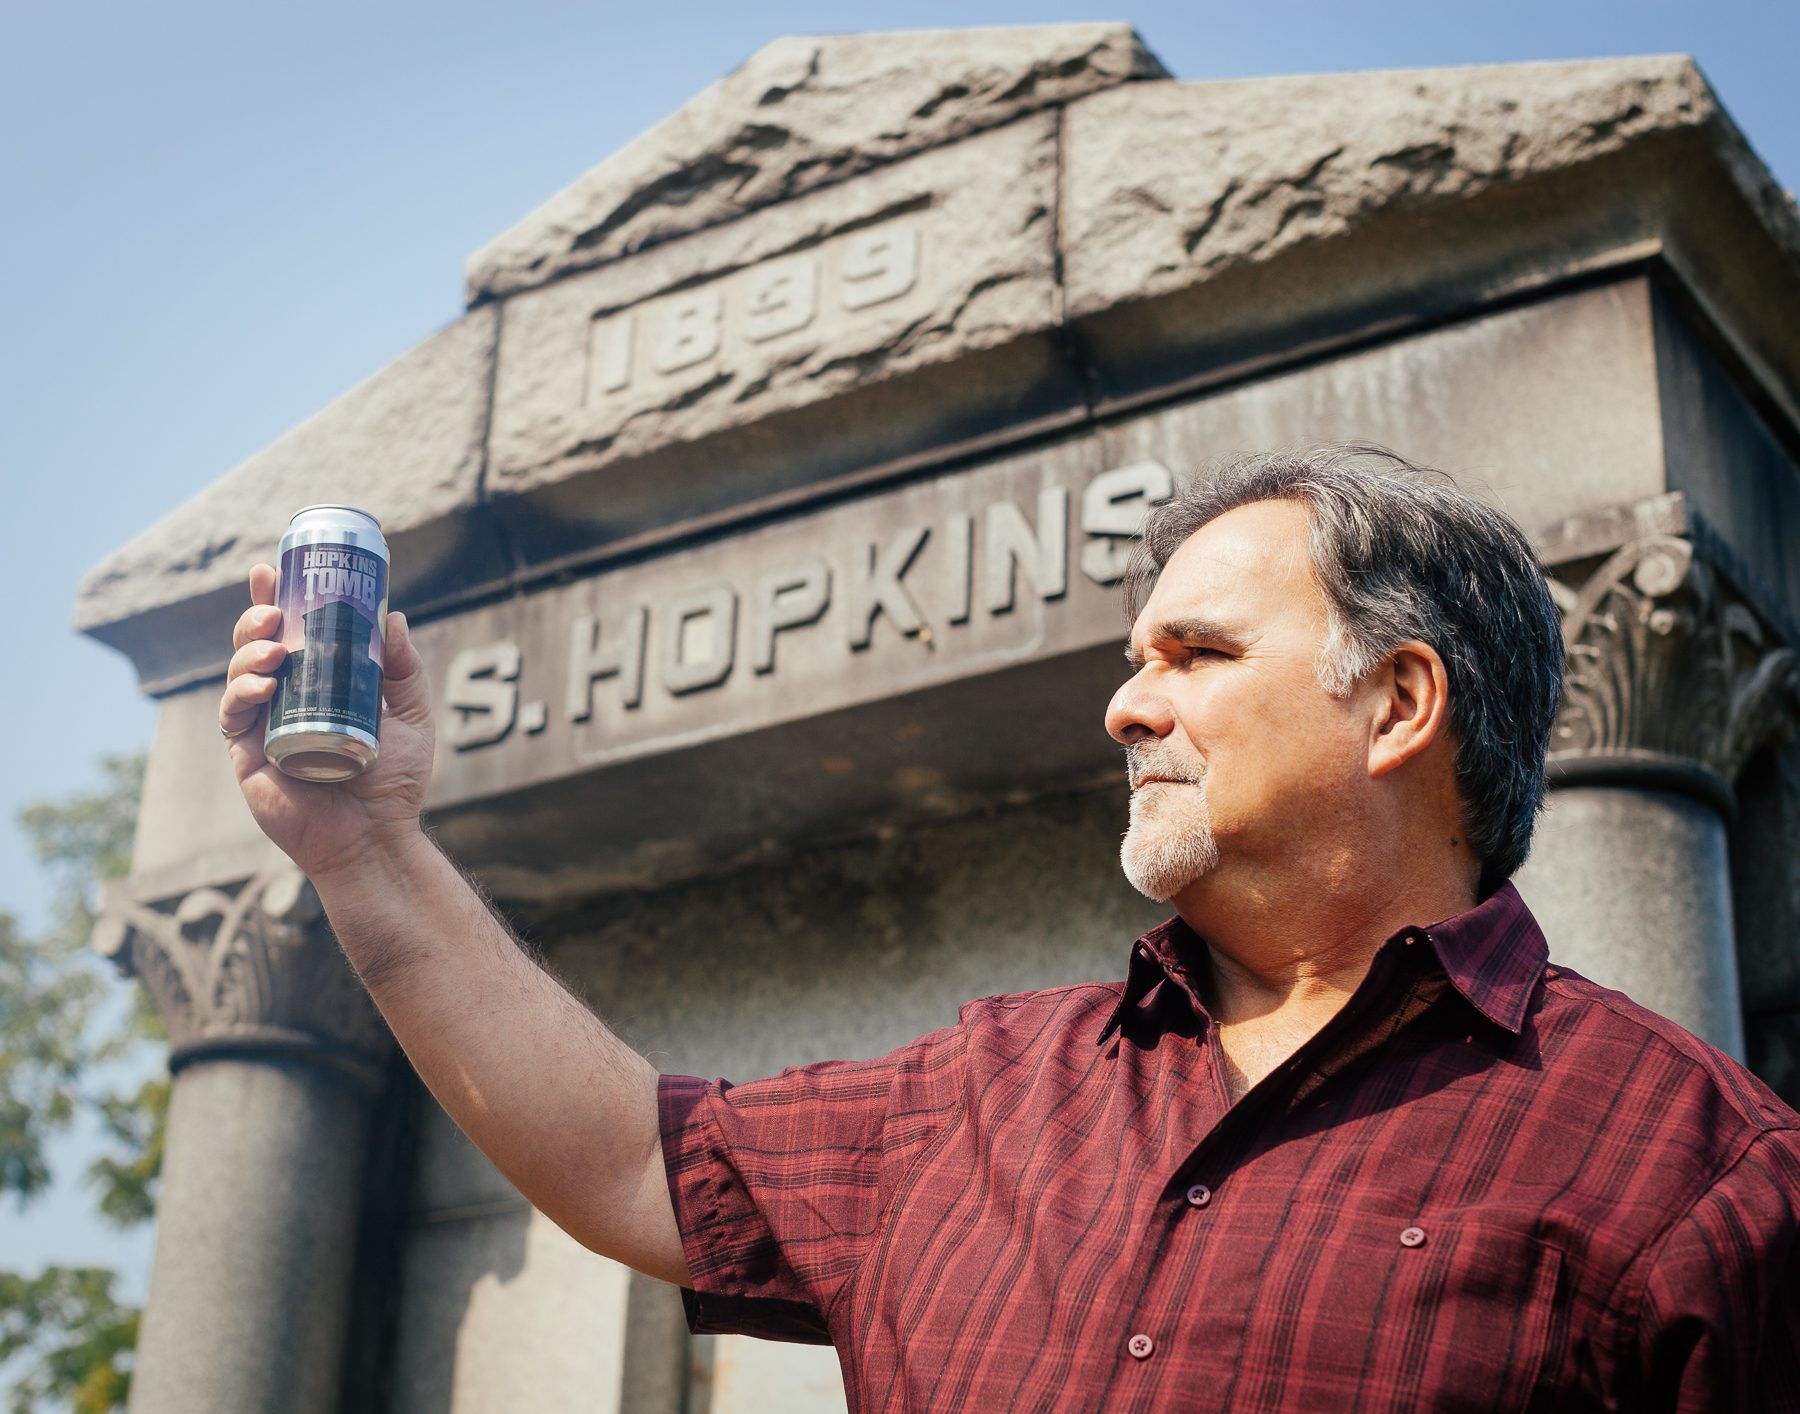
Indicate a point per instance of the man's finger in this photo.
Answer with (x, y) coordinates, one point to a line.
(259, 621)
(252, 688)
(246, 747)
(243, 700)
(248, 684)
(240, 715)
(260, 655)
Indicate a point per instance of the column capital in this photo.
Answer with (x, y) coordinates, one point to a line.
(247, 967)
(1671, 680)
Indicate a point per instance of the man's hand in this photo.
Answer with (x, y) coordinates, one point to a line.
(325, 828)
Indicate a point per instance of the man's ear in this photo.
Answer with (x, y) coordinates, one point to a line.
(1411, 705)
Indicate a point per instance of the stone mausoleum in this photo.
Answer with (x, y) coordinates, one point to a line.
(762, 520)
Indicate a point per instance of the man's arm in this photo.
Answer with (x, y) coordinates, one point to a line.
(1718, 1318)
(561, 1106)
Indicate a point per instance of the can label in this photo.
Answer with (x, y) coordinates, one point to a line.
(333, 601)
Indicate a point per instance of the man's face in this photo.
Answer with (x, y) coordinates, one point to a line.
(1239, 759)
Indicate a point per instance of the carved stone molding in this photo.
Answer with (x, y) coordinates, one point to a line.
(245, 967)
(1671, 678)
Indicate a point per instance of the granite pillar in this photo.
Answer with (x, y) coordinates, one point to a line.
(1672, 684)
(275, 1052)
(1633, 887)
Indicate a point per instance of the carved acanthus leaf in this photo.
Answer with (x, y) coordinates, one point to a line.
(251, 958)
(1664, 658)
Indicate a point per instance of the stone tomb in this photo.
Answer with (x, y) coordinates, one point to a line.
(761, 522)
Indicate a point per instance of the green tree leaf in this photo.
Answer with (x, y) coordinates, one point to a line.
(126, 1179)
(47, 1004)
(77, 1338)
(64, 1326)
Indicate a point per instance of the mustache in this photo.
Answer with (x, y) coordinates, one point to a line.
(1154, 759)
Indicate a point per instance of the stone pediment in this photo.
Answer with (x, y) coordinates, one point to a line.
(802, 113)
(961, 241)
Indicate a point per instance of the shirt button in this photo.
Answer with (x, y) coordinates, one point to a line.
(1140, 1345)
(1413, 1237)
(1199, 1195)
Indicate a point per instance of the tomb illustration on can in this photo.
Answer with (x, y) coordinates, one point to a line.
(331, 676)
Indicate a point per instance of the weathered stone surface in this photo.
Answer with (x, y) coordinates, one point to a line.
(504, 1312)
(1171, 183)
(405, 444)
(655, 1377)
(919, 264)
(1633, 889)
(804, 112)
(740, 1375)
(1213, 223)
(1774, 1042)
(1765, 850)
(858, 946)
(452, 1176)
(1726, 456)
(1546, 409)
(256, 1231)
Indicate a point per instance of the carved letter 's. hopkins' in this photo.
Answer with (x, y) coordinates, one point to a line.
(1010, 545)
(1112, 508)
(699, 639)
(875, 587)
(791, 597)
(599, 650)
(482, 694)
(1002, 548)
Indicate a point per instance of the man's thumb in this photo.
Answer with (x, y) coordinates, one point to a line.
(403, 683)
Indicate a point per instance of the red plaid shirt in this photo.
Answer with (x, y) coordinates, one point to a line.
(1487, 1184)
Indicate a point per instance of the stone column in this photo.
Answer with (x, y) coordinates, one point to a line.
(276, 1053)
(1672, 683)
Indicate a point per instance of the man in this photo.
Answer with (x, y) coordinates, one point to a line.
(1342, 1140)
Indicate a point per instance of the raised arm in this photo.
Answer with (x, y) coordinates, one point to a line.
(564, 1109)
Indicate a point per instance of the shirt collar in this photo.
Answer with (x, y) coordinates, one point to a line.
(1170, 952)
(1493, 954)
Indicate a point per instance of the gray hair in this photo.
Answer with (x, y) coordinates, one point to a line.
(1400, 553)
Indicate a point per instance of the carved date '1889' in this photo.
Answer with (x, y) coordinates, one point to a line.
(697, 639)
(776, 297)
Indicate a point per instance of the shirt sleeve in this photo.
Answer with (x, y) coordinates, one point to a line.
(1719, 1323)
(779, 1185)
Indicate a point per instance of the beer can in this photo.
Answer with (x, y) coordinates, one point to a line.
(325, 716)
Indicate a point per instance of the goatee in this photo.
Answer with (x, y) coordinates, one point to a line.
(1170, 841)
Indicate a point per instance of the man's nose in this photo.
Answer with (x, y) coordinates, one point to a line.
(1138, 712)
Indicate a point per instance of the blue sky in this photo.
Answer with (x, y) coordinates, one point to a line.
(219, 217)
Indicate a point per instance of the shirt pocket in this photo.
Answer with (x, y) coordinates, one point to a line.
(1463, 1312)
